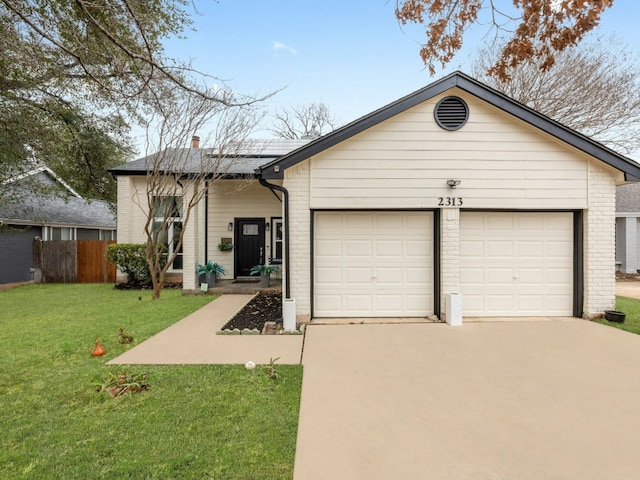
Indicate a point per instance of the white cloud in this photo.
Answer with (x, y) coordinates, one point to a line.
(283, 46)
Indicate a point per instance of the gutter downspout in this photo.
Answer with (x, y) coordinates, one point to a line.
(285, 199)
(206, 222)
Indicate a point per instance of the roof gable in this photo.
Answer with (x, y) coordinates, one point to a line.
(275, 169)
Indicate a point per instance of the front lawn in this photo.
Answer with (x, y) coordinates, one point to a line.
(198, 421)
(631, 307)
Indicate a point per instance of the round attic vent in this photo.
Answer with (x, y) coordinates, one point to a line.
(451, 113)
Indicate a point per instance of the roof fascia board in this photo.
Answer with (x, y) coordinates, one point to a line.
(48, 171)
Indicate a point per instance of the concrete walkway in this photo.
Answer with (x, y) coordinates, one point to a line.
(193, 340)
(502, 400)
(628, 289)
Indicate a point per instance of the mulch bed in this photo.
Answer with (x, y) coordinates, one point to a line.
(265, 307)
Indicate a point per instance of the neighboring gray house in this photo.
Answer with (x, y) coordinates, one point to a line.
(64, 217)
(627, 224)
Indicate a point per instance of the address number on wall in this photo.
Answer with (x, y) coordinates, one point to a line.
(450, 201)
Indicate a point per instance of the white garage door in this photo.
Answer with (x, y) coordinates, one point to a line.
(373, 264)
(516, 264)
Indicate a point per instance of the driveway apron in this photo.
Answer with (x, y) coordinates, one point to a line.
(503, 400)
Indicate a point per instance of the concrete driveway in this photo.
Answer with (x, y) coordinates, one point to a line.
(493, 400)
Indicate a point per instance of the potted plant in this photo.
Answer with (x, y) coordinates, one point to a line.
(225, 246)
(210, 271)
(265, 273)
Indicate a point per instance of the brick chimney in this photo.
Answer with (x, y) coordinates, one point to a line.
(195, 141)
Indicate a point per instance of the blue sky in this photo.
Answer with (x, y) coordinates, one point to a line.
(350, 54)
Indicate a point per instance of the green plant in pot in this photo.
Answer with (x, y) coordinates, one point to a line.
(265, 272)
(210, 271)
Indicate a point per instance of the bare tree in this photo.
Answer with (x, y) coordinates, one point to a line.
(177, 177)
(535, 32)
(593, 88)
(312, 120)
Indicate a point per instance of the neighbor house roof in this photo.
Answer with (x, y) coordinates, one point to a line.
(628, 198)
(66, 209)
(275, 169)
(55, 211)
(245, 160)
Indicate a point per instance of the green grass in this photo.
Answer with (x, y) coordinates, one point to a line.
(631, 307)
(200, 421)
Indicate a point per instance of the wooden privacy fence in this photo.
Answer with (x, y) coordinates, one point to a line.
(72, 261)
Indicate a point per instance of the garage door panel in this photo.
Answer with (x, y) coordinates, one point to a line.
(358, 222)
(498, 249)
(472, 277)
(499, 276)
(358, 248)
(327, 276)
(417, 248)
(556, 304)
(498, 223)
(533, 277)
(533, 222)
(558, 249)
(388, 223)
(358, 303)
(471, 248)
(529, 304)
(417, 303)
(328, 248)
(386, 259)
(358, 275)
(502, 305)
(389, 248)
(388, 304)
(530, 249)
(559, 276)
(388, 276)
(418, 276)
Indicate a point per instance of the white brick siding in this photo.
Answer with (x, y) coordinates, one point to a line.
(297, 183)
(449, 254)
(599, 241)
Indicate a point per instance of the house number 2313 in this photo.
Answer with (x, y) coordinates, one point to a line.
(450, 201)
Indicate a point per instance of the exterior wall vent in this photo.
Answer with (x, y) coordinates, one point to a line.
(451, 113)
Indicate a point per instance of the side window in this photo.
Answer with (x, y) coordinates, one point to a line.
(167, 225)
(277, 240)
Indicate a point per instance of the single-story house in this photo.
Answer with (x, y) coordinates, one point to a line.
(453, 189)
(53, 212)
(628, 228)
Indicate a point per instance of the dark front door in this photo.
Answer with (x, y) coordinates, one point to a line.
(249, 243)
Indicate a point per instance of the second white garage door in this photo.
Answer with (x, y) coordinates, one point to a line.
(373, 264)
(516, 263)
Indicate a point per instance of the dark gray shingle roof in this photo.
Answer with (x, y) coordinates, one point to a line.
(52, 205)
(196, 160)
(71, 211)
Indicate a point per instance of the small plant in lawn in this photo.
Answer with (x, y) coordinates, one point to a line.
(124, 337)
(271, 370)
(118, 383)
